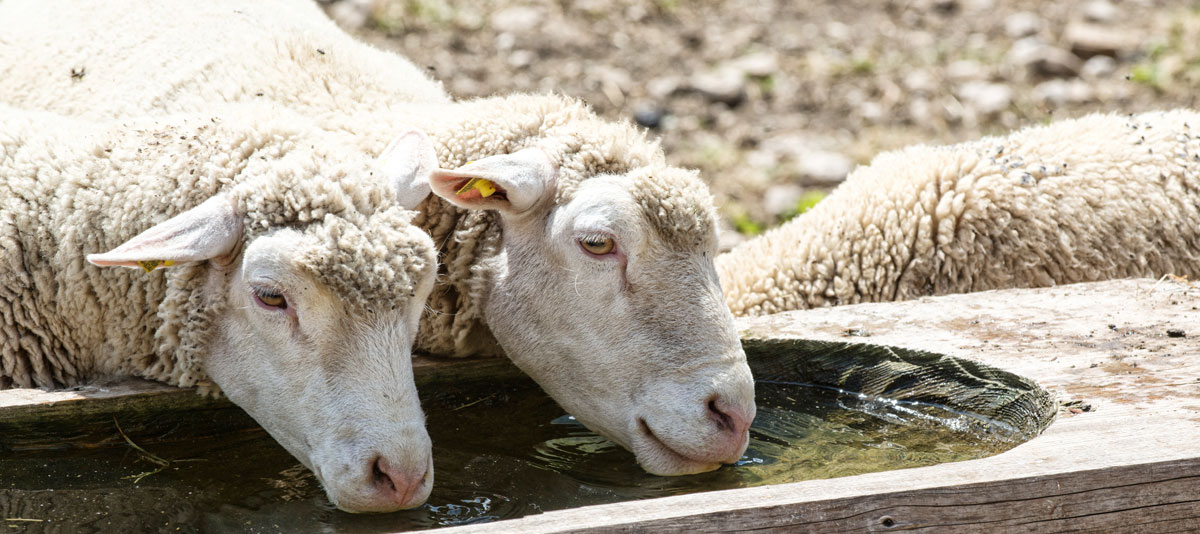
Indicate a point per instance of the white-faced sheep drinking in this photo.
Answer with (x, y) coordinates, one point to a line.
(268, 259)
(583, 256)
(1096, 198)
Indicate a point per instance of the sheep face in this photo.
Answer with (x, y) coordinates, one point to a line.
(327, 374)
(310, 325)
(620, 319)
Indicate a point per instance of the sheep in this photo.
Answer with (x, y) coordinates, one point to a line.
(1100, 197)
(566, 241)
(273, 267)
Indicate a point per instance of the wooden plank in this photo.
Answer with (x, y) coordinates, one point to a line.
(1130, 464)
(1135, 498)
(83, 417)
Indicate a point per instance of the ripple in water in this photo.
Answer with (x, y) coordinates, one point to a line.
(471, 509)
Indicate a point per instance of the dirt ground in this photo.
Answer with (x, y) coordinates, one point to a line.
(774, 101)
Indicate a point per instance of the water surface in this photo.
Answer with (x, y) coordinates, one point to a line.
(506, 452)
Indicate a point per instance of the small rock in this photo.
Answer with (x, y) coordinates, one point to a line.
(762, 159)
(1098, 67)
(521, 58)
(781, 198)
(726, 85)
(920, 110)
(837, 31)
(985, 97)
(758, 64)
(611, 75)
(516, 20)
(1022, 24)
(648, 116)
(964, 70)
(824, 167)
(1041, 59)
(635, 13)
(1060, 92)
(814, 157)
(1175, 332)
(464, 86)
(505, 41)
(1087, 40)
(352, 14)
(567, 34)
(872, 111)
(1101, 11)
(613, 82)
(660, 88)
(944, 7)
(920, 81)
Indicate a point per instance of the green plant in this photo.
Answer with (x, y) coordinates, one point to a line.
(806, 202)
(745, 225)
(1147, 74)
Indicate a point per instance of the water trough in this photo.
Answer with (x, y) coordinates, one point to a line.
(1123, 452)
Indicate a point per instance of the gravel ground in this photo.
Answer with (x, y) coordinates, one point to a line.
(775, 101)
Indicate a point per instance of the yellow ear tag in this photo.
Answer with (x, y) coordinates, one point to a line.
(150, 265)
(485, 187)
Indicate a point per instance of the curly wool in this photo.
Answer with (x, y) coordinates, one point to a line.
(355, 221)
(74, 188)
(357, 258)
(133, 56)
(675, 201)
(294, 56)
(1100, 197)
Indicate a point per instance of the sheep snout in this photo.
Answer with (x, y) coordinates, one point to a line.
(396, 487)
(733, 421)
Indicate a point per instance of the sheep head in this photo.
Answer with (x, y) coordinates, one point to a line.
(608, 297)
(311, 315)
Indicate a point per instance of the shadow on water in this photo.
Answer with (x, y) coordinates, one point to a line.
(504, 450)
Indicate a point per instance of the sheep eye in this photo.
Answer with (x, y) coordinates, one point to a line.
(270, 300)
(598, 245)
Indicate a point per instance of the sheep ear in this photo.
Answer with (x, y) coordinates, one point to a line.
(207, 231)
(510, 183)
(406, 163)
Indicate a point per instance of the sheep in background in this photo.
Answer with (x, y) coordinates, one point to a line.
(1095, 198)
(290, 279)
(100, 61)
(602, 285)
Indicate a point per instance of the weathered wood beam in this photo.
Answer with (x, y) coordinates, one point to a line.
(1125, 457)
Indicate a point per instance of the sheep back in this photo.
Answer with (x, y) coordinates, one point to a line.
(74, 188)
(1100, 197)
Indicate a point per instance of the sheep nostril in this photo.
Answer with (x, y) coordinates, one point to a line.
(724, 422)
(381, 477)
(728, 418)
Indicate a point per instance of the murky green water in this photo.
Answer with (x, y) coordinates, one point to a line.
(506, 453)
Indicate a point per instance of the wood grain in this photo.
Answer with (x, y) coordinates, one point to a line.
(1128, 499)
